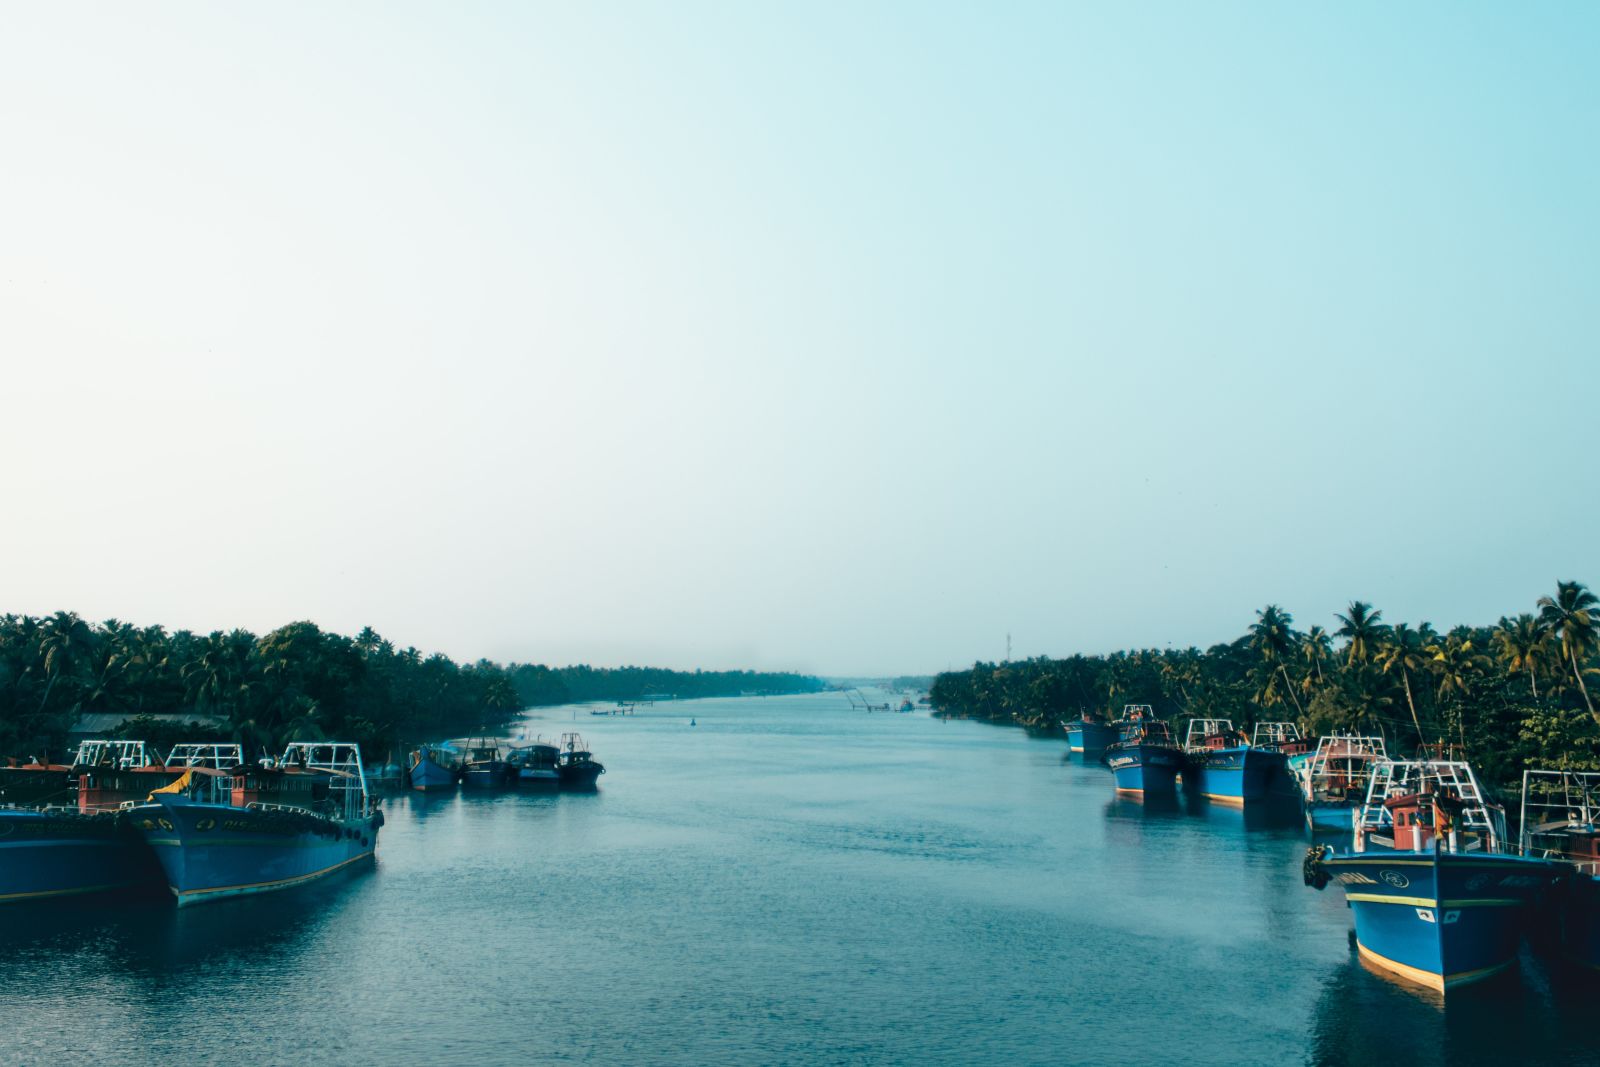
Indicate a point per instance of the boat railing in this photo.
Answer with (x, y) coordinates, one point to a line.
(1556, 807)
(348, 778)
(1275, 733)
(1201, 730)
(1392, 779)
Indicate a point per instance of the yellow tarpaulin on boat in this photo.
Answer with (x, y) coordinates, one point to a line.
(176, 787)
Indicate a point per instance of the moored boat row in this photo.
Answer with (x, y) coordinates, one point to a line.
(1439, 894)
(202, 822)
(489, 763)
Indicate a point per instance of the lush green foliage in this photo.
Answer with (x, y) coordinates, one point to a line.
(296, 683)
(1512, 695)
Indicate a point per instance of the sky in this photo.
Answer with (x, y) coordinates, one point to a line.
(840, 337)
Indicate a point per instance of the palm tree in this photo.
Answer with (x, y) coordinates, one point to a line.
(1523, 644)
(1363, 628)
(1571, 616)
(1401, 654)
(1316, 649)
(1455, 663)
(67, 642)
(1274, 640)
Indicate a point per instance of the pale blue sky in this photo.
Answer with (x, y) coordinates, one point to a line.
(844, 337)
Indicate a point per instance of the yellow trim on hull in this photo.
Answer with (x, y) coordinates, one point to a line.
(1429, 902)
(191, 896)
(1221, 799)
(38, 894)
(1439, 983)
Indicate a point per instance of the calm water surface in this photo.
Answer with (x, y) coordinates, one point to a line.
(789, 881)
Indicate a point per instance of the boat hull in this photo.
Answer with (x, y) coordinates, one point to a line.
(1323, 817)
(214, 851)
(56, 854)
(1146, 768)
(580, 776)
(1441, 920)
(1580, 920)
(495, 775)
(538, 779)
(429, 776)
(1090, 736)
(1236, 775)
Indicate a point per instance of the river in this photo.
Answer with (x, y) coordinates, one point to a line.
(787, 881)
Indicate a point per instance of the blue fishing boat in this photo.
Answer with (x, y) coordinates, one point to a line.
(435, 767)
(1559, 813)
(1226, 768)
(485, 766)
(63, 849)
(1145, 758)
(537, 764)
(577, 768)
(220, 833)
(1088, 733)
(1435, 897)
(1333, 779)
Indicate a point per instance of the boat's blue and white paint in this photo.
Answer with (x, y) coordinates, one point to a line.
(215, 840)
(1440, 919)
(1436, 897)
(1225, 768)
(1145, 758)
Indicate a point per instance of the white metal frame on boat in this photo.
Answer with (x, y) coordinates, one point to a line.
(195, 754)
(1205, 728)
(123, 755)
(1275, 733)
(1554, 802)
(1396, 778)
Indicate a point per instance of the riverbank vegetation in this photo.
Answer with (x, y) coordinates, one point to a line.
(298, 682)
(1512, 695)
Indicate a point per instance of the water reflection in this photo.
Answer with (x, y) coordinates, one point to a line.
(148, 933)
(1366, 1016)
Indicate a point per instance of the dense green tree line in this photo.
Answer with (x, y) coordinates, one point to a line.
(1510, 696)
(298, 682)
(545, 685)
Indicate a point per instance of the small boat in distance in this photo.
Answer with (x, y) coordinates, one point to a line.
(1090, 733)
(485, 766)
(1436, 898)
(578, 769)
(537, 765)
(435, 768)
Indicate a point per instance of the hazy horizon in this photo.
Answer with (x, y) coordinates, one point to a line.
(843, 339)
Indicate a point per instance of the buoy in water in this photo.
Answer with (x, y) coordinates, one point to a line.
(691, 722)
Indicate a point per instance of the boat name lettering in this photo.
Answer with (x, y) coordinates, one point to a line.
(1519, 881)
